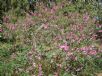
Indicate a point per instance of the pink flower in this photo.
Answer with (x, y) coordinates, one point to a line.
(1, 30)
(13, 27)
(100, 31)
(92, 52)
(52, 11)
(98, 25)
(65, 47)
(86, 17)
(85, 49)
(88, 50)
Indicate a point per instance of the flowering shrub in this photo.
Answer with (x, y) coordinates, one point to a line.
(48, 43)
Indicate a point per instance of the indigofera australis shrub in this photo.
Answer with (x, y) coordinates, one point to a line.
(46, 43)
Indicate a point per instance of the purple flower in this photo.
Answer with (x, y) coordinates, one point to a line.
(100, 31)
(65, 47)
(85, 17)
(93, 52)
(1, 29)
